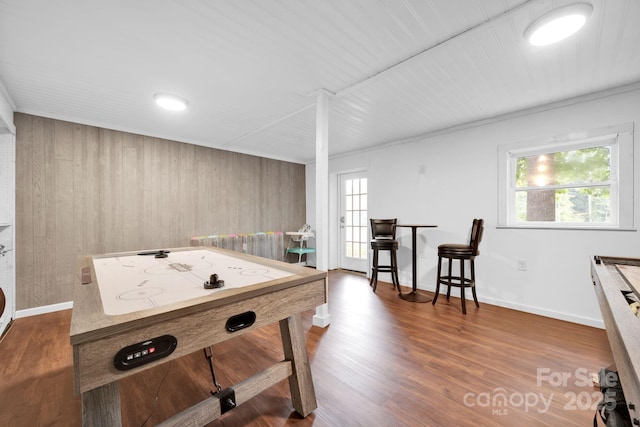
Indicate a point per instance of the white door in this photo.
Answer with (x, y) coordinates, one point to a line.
(354, 240)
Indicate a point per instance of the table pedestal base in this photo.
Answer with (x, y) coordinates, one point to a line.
(414, 296)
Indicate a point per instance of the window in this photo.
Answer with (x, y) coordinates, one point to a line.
(575, 181)
(356, 218)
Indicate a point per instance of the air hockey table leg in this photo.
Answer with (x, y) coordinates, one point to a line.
(101, 406)
(303, 395)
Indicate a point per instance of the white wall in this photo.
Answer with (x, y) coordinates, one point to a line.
(460, 183)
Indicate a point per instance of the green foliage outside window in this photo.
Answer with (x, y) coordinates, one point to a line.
(567, 186)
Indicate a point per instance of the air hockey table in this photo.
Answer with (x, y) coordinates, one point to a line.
(136, 310)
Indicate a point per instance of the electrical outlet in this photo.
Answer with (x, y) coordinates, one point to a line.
(522, 265)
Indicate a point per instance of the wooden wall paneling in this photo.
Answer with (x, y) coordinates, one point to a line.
(147, 178)
(106, 200)
(268, 194)
(64, 246)
(227, 219)
(64, 265)
(223, 191)
(278, 203)
(259, 210)
(166, 208)
(234, 192)
(234, 189)
(139, 232)
(248, 197)
(246, 192)
(159, 196)
(116, 183)
(186, 193)
(47, 249)
(213, 177)
(217, 193)
(172, 210)
(94, 237)
(206, 176)
(87, 190)
(131, 193)
(292, 208)
(24, 209)
(177, 219)
(80, 187)
(295, 206)
(271, 197)
(175, 209)
(43, 286)
(274, 200)
(198, 203)
(260, 194)
(63, 147)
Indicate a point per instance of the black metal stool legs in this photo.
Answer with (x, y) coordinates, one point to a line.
(459, 281)
(462, 286)
(392, 268)
(437, 293)
(473, 280)
(449, 279)
(374, 271)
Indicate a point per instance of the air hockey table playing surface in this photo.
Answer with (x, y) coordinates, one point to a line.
(130, 283)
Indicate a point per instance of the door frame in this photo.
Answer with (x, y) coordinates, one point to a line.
(335, 213)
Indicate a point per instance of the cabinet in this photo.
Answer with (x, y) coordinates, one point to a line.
(610, 277)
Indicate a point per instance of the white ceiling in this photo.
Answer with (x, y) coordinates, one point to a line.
(251, 69)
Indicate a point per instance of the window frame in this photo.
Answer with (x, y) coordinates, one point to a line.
(619, 137)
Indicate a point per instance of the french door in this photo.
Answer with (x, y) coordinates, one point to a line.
(353, 221)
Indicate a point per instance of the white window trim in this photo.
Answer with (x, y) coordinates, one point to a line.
(622, 195)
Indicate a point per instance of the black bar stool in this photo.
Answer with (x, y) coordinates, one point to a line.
(383, 233)
(462, 253)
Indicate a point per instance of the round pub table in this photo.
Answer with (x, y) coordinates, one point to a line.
(414, 296)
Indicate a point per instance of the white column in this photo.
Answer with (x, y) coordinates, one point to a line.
(322, 317)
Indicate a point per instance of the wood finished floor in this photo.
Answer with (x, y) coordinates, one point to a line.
(382, 362)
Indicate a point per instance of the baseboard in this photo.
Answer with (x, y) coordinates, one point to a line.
(596, 323)
(44, 309)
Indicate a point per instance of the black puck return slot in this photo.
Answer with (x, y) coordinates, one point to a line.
(240, 321)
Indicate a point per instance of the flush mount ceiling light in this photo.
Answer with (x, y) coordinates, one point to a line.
(558, 24)
(170, 102)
